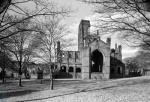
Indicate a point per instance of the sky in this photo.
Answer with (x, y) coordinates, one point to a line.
(85, 11)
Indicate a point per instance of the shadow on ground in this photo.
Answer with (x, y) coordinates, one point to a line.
(120, 84)
(79, 91)
(17, 93)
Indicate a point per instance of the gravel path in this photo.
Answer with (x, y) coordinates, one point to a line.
(120, 90)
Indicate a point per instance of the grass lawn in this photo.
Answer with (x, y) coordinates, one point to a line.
(116, 90)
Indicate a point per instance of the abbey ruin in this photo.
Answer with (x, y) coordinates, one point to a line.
(94, 59)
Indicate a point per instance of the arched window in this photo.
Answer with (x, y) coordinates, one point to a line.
(77, 56)
(63, 68)
(119, 70)
(70, 69)
(70, 55)
(78, 69)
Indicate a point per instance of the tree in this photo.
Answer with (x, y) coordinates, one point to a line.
(4, 4)
(143, 59)
(52, 31)
(11, 29)
(21, 45)
(138, 62)
(130, 19)
(132, 64)
(6, 61)
(37, 10)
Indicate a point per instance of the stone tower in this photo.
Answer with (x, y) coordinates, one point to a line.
(83, 32)
(118, 52)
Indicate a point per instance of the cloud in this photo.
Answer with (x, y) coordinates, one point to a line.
(74, 27)
(126, 51)
(129, 52)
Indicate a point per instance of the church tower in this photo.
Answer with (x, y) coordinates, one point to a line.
(83, 32)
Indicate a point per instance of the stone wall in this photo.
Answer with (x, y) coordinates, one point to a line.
(69, 75)
(97, 76)
(86, 63)
(104, 48)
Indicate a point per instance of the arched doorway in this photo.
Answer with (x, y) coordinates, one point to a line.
(97, 61)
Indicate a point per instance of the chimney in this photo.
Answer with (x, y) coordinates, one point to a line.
(120, 49)
(116, 47)
(109, 41)
(120, 52)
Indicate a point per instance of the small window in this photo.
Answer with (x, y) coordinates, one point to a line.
(70, 55)
(78, 69)
(77, 56)
(119, 70)
(70, 69)
(63, 68)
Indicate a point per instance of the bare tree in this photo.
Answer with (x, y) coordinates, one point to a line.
(143, 59)
(132, 64)
(21, 45)
(29, 9)
(20, 12)
(130, 19)
(5, 62)
(140, 62)
(52, 31)
(4, 4)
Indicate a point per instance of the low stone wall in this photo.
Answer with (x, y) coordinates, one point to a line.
(69, 75)
(113, 76)
(65, 75)
(97, 75)
(60, 75)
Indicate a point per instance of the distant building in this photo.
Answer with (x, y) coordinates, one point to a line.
(94, 58)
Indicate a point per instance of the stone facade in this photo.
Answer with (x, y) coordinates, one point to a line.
(117, 68)
(93, 58)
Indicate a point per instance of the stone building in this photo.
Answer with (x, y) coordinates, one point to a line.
(94, 58)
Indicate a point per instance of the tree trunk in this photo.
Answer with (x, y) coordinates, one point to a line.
(20, 82)
(20, 60)
(20, 74)
(3, 76)
(51, 81)
(41, 80)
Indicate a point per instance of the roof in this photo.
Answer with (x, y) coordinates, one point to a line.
(115, 61)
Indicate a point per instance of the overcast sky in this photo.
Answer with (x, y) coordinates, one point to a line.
(85, 11)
